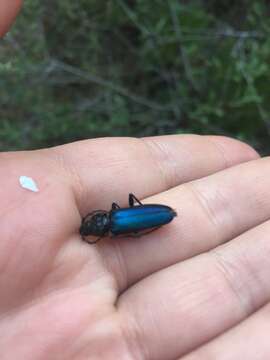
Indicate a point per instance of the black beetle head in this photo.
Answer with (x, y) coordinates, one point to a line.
(96, 223)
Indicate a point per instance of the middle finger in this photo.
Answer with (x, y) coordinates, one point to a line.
(211, 211)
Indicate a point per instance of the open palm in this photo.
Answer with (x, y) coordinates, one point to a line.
(165, 295)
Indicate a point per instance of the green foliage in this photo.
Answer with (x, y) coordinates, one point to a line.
(79, 69)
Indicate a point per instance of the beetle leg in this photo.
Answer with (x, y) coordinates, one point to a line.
(132, 199)
(115, 206)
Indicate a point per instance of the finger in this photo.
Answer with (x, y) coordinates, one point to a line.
(106, 170)
(8, 12)
(249, 340)
(186, 305)
(211, 211)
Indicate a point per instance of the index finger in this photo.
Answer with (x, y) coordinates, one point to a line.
(106, 170)
(8, 12)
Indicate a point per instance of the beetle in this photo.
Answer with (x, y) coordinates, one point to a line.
(131, 220)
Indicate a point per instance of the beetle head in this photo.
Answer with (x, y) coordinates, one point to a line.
(96, 223)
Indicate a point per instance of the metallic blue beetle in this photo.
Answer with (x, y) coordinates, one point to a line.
(130, 221)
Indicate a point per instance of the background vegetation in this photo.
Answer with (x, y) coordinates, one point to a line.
(77, 69)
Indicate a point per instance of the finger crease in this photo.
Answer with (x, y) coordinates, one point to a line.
(204, 205)
(160, 157)
(225, 269)
(122, 275)
(223, 153)
(135, 346)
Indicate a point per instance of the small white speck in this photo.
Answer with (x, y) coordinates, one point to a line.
(28, 183)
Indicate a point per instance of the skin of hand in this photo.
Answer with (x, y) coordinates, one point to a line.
(196, 289)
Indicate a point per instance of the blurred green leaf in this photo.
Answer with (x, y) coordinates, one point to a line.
(75, 70)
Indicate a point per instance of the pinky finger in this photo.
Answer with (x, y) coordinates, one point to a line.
(249, 341)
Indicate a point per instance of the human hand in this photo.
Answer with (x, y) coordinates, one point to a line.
(162, 296)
